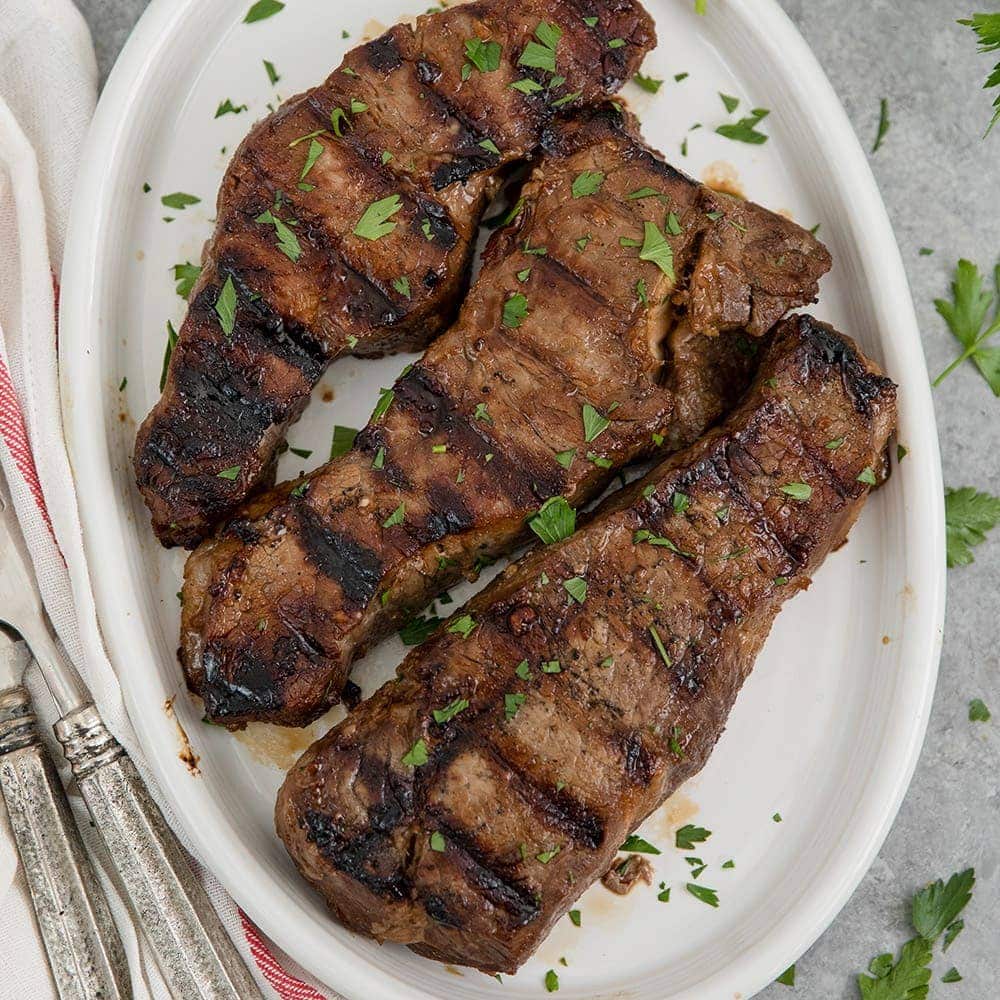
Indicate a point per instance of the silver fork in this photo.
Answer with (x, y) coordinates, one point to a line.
(195, 954)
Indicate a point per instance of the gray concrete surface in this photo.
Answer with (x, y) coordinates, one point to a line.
(941, 183)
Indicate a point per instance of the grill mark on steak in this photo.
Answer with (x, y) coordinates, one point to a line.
(337, 296)
(586, 338)
(356, 567)
(713, 612)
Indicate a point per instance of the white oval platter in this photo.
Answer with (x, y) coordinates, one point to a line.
(828, 728)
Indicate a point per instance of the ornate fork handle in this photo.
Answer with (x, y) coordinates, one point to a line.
(195, 954)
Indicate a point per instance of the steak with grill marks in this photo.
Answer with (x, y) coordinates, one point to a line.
(426, 115)
(553, 378)
(465, 806)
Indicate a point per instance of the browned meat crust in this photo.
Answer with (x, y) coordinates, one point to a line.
(493, 420)
(412, 122)
(467, 835)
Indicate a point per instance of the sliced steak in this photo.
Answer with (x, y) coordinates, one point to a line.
(465, 806)
(302, 267)
(572, 356)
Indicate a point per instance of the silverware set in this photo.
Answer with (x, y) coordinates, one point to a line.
(195, 955)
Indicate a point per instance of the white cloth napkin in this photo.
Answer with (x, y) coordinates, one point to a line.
(48, 86)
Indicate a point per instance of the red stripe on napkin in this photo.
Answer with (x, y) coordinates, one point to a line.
(285, 985)
(15, 436)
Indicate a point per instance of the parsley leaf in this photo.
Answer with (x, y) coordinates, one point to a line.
(553, 521)
(657, 249)
(227, 107)
(231, 473)
(576, 587)
(437, 841)
(542, 54)
(978, 712)
(179, 200)
(262, 9)
(511, 704)
(414, 632)
(551, 981)
(342, 441)
(463, 625)
(373, 225)
(987, 27)
(225, 307)
(968, 515)
(315, 152)
(594, 423)
(966, 316)
(167, 352)
(272, 73)
(731, 103)
(648, 83)
(446, 714)
(587, 182)
(416, 756)
(706, 895)
(514, 310)
(937, 906)
(288, 242)
(687, 836)
(883, 124)
(745, 130)
(484, 55)
(396, 517)
(797, 491)
(787, 978)
(634, 844)
(907, 979)
(186, 275)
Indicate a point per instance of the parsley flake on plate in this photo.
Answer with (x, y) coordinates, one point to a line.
(634, 844)
(168, 351)
(288, 242)
(702, 892)
(272, 73)
(787, 978)
(179, 200)
(342, 441)
(978, 712)
(648, 83)
(541, 54)
(385, 398)
(417, 631)
(688, 835)
(186, 275)
(745, 130)
(263, 9)
(227, 107)
(883, 124)
(587, 182)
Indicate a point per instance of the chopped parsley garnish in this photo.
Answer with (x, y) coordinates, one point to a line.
(574, 916)
(551, 981)
(688, 835)
(702, 892)
(342, 441)
(263, 9)
(338, 119)
(374, 224)
(648, 83)
(660, 648)
(599, 460)
(523, 670)
(416, 756)
(587, 182)
(797, 491)
(883, 124)
(834, 443)
(511, 704)
(272, 73)
(787, 978)
(745, 130)
(565, 458)
(463, 625)
(542, 54)
(680, 502)
(675, 741)
(663, 896)
(437, 841)
(168, 350)
(288, 242)
(731, 103)
(386, 157)
(546, 856)
(987, 28)
(425, 228)
(939, 904)
(657, 249)
(225, 307)
(385, 398)
(867, 476)
(186, 275)
(301, 452)
(576, 587)
(551, 667)
(527, 86)
(978, 712)
(640, 292)
(482, 414)
(514, 311)
(402, 285)
(594, 424)
(306, 137)
(315, 152)
(729, 864)
(673, 224)
(643, 192)
(227, 107)
(179, 200)
(566, 98)
(446, 714)
(634, 844)
(967, 316)
(231, 473)
(414, 632)
(553, 521)
(616, 43)
(357, 107)
(396, 517)
(490, 146)
(484, 55)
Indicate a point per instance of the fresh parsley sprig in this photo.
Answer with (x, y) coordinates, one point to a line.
(987, 28)
(968, 515)
(967, 316)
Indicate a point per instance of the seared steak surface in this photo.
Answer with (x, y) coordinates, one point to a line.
(426, 115)
(572, 356)
(465, 806)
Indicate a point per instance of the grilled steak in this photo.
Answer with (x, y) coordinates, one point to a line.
(553, 377)
(467, 804)
(346, 222)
